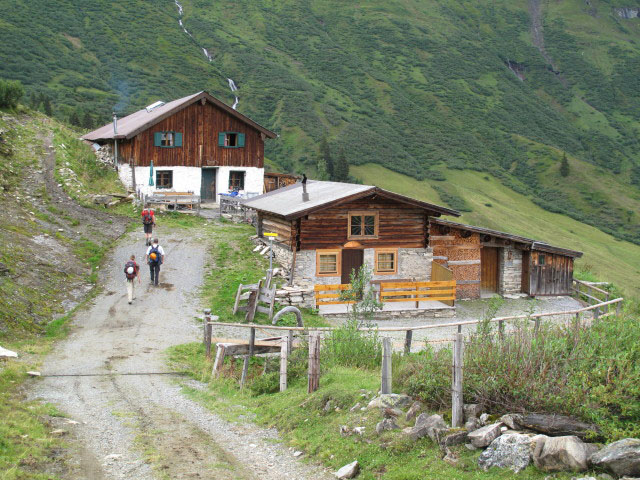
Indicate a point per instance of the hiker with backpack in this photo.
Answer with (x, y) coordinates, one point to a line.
(148, 222)
(155, 258)
(131, 271)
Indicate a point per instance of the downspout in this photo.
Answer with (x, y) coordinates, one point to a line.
(115, 140)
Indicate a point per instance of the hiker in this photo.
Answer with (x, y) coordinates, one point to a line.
(131, 271)
(148, 222)
(155, 258)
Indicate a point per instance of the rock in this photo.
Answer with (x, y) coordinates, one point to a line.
(113, 456)
(425, 424)
(584, 478)
(557, 454)
(33, 374)
(297, 453)
(413, 410)
(4, 353)
(557, 425)
(511, 420)
(472, 410)
(345, 431)
(485, 435)
(472, 424)
(390, 400)
(512, 451)
(386, 424)
(450, 437)
(359, 430)
(621, 457)
(59, 432)
(355, 408)
(468, 446)
(4, 270)
(484, 419)
(391, 412)
(348, 471)
(327, 406)
(451, 458)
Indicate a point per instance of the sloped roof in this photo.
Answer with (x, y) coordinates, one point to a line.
(535, 244)
(287, 201)
(141, 120)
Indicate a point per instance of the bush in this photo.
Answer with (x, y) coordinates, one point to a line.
(592, 372)
(10, 93)
(349, 347)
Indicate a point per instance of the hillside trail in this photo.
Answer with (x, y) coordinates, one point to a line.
(110, 377)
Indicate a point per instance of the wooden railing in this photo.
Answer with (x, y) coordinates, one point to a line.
(332, 298)
(444, 291)
(590, 293)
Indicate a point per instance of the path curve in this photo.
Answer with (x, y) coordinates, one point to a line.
(141, 426)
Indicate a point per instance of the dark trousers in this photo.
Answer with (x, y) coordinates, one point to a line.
(154, 269)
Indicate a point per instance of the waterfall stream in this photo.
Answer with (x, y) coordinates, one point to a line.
(232, 84)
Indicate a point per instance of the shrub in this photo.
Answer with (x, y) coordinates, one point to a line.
(591, 372)
(10, 93)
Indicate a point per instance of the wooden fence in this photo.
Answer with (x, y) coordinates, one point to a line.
(418, 291)
(333, 295)
(589, 293)
(440, 273)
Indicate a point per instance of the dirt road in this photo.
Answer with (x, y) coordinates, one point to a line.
(133, 421)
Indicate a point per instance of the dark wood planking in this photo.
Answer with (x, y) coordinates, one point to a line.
(199, 125)
(489, 269)
(552, 278)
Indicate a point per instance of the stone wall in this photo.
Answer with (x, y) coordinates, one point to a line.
(509, 270)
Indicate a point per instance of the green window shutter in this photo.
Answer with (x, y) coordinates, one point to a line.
(157, 139)
(221, 137)
(241, 140)
(177, 140)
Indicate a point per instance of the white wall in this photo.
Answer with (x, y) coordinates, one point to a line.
(189, 179)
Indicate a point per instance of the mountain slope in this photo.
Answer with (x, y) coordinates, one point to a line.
(504, 87)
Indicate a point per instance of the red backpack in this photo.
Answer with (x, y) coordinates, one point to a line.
(130, 265)
(147, 217)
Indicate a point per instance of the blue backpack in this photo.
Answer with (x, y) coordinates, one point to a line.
(158, 258)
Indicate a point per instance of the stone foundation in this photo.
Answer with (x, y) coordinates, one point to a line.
(445, 312)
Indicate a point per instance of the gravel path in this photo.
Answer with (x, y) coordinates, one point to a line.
(133, 421)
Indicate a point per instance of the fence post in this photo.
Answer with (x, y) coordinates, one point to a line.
(501, 329)
(284, 354)
(314, 362)
(407, 342)
(618, 308)
(207, 332)
(457, 418)
(596, 313)
(385, 384)
(537, 325)
(290, 340)
(245, 366)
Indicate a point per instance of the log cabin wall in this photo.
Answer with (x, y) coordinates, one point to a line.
(550, 274)
(200, 125)
(458, 250)
(284, 228)
(399, 225)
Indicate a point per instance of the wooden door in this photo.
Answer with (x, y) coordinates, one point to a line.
(208, 185)
(352, 259)
(488, 269)
(526, 258)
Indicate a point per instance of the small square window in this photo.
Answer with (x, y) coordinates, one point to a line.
(541, 259)
(236, 181)
(164, 178)
(231, 139)
(166, 139)
(386, 261)
(328, 263)
(363, 224)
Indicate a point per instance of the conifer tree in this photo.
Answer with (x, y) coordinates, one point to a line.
(87, 120)
(46, 103)
(325, 155)
(74, 119)
(564, 166)
(321, 170)
(342, 168)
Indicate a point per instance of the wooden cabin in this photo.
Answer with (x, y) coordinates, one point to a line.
(485, 262)
(197, 144)
(337, 227)
(274, 181)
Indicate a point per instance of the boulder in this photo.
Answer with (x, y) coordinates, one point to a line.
(621, 457)
(511, 420)
(348, 471)
(472, 410)
(386, 424)
(512, 450)
(426, 424)
(484, 419)
(451, 436)
(413, 410)
(390, 400)
(557, 454)
(558, 425)
(391, 412)
(355, 408)
(472, 424)
(485, 435)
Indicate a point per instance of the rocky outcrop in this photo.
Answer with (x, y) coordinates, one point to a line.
(621, 457)
(557, 454)
(511, 450)
(426, 425)
(627, 12)
(390, 400)
(386, 424)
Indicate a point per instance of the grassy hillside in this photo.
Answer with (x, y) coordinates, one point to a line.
(495, 206)
(410, 85)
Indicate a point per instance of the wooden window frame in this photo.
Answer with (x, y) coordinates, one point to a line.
(244, 178)
(163, 172)
(363, 213)
(175, 136)
(377, 252)
(238, 135)
(338, 253)
(542, 259)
